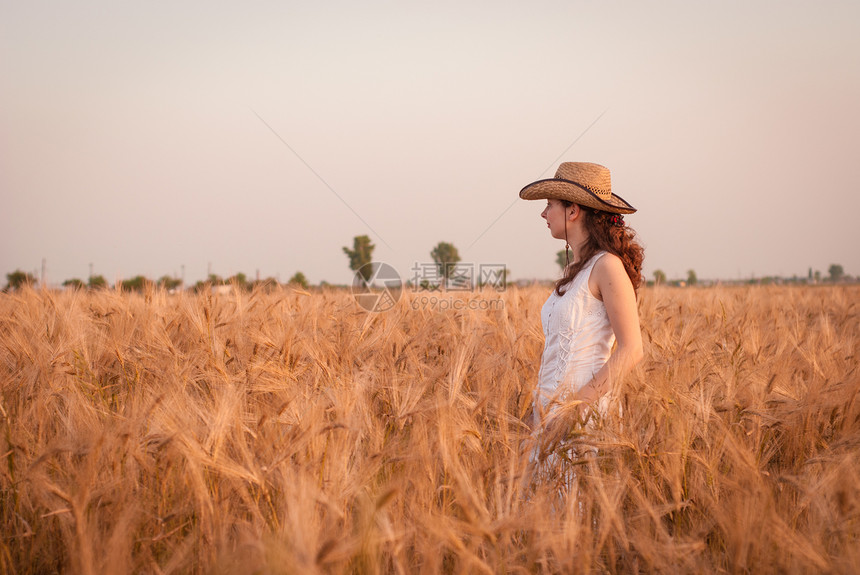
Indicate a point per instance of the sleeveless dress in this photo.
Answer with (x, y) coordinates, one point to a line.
(578, 341)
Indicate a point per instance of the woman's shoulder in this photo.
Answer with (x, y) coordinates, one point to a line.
(608, 267)
(609, 263)
(604, 259)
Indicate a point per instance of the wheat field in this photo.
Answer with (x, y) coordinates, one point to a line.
(293, 432)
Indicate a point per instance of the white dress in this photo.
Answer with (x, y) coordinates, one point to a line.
(578, 341)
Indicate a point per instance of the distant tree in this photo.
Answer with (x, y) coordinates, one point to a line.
(299, 279)
(97, 282)
(691, 278)
(360, 255)
(816, 276)
(169, 283)
(19, 279)
(659, 277)
(561, 259)
(206, 285)
(446, 256)
(239, 280)
(74, 283)
(836, 272)
(136, 284)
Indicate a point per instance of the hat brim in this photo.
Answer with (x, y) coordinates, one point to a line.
(559, 189)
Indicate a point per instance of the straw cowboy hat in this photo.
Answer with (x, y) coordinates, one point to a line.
(581, 183)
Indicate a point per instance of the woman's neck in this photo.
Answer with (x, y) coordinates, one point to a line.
(576, 240)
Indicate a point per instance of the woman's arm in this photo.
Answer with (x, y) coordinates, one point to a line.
(610, 283)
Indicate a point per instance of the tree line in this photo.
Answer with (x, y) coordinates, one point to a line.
(19, 279)
(836, 274)
(444, 255)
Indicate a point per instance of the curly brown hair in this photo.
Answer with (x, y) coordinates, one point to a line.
(603, 235)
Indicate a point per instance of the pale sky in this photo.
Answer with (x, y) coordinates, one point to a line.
(136, 135)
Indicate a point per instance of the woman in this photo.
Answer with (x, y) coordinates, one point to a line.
(593, 306)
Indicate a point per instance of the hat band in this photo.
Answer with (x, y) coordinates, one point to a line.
(603, 199)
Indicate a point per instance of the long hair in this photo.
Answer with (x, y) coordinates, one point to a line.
(603, 235)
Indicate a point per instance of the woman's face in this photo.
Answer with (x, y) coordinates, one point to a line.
(555, 214)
